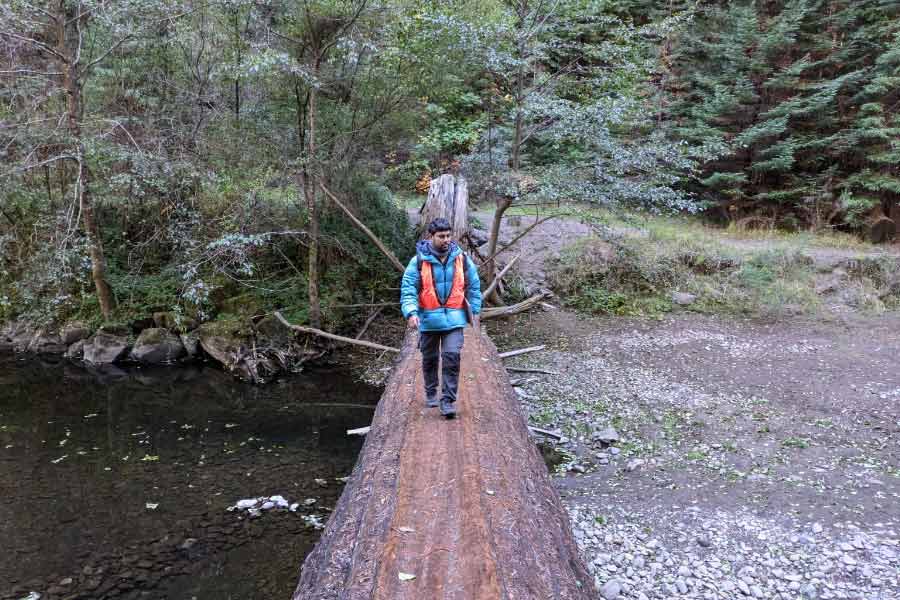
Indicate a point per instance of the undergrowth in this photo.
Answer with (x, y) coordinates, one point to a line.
(640, 275)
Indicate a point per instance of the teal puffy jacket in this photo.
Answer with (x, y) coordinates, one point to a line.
(441, 319)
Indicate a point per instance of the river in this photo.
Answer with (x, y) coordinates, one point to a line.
(116, 483)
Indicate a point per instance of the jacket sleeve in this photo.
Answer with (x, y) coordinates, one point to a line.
(409, 289)
(473, 293)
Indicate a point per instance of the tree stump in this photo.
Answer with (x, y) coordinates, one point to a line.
(448, 197)
(435, 509)
(880, 228)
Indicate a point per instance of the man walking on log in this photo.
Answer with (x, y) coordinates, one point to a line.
(438, 284)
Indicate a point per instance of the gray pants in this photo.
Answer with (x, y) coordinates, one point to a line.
(446, 345)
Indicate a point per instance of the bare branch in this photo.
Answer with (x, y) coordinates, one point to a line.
(331, 336)
(24, 168)
(30, 72)
(35, 43)
(109, 51)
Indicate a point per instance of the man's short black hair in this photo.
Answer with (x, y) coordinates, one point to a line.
(439, 224)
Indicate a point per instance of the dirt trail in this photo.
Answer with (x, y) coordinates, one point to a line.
(465, 506)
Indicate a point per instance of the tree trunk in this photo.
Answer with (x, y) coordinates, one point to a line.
(448, 198)
(503, 204)
(95, 244)
(310, 179)
(69, 38)
(880, 228)
(459, 509)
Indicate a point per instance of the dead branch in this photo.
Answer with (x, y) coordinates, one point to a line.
(489, 290)
(368, 322)
(362, 227)
(541, 371)
(520, 236)
(522, 351)
(331, 336)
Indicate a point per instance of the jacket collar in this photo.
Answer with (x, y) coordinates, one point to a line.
(423, 248)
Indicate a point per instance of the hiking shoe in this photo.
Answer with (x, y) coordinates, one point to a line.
(448, 409)
(431, 402)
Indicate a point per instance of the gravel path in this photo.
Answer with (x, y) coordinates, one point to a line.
(707, 458)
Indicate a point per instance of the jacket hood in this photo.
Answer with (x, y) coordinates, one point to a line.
(424, 249)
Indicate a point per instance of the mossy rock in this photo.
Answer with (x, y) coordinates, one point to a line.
(243, 305)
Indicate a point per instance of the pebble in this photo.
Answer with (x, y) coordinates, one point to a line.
(611, 589)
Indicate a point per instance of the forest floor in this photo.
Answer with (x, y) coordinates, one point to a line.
(709, 456)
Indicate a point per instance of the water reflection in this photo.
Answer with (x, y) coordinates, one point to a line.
(115, 482)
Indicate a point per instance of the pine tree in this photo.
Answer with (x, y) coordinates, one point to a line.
(801, 95)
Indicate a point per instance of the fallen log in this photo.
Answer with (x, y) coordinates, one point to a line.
(332, 336)
(512, 309)
(437, 509)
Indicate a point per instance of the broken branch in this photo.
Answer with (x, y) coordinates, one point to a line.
(331, 336)
(541, 371)
(362, 227)
(487, 292)
(522, 351)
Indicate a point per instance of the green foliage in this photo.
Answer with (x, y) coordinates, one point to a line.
(802, 118)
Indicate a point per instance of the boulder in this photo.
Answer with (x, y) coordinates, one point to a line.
(76, 350)
(191, 343)
(74, 332)
(221, 343)
(45, 341)
(272, 332)
(174, 321)
(608, 435)
(20, 334)
(105, 348)
(157, 345)
(683, 298)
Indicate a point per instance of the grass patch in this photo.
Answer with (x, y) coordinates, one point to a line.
(637, 275)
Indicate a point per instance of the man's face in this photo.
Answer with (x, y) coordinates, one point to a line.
(441, 240)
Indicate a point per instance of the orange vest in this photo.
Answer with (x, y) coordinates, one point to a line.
(428, 297)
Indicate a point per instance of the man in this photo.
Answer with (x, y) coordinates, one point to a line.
(438, 284)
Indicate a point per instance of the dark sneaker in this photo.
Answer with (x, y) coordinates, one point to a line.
(448, 409)
(431, 402)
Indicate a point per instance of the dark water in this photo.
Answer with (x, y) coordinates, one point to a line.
(83, 453)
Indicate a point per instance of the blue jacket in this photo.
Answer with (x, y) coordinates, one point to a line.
(441, 319)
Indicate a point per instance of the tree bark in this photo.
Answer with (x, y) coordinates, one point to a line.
(503, 204)
(466, 507)
(69, 36)
(309, 189)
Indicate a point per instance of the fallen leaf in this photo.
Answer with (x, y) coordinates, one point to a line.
(151, 505)
(406, 576)
(406, 529)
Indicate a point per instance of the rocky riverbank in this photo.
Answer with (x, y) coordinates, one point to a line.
(254, 350)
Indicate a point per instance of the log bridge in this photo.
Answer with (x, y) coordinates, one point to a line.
(459, 509)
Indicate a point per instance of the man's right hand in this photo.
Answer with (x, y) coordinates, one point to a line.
(413, 322)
